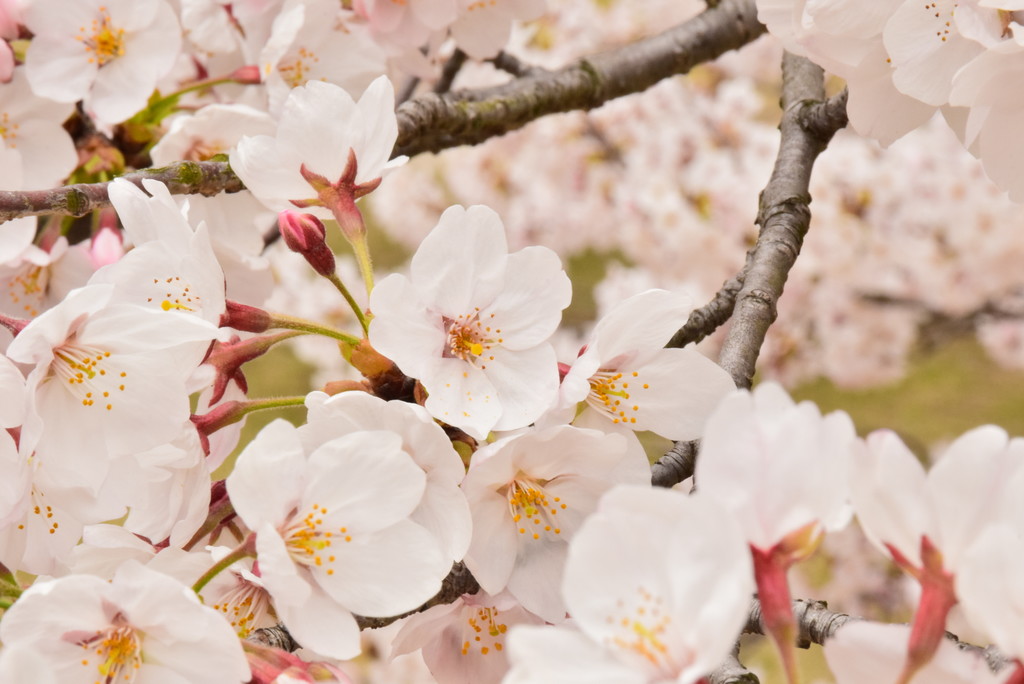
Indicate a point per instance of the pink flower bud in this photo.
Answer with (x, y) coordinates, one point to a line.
(246, 75)
(106, 247)
(268, 664)
(244, 317)
(304, 233)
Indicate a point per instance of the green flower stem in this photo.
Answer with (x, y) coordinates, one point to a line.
(198, 85)
(293, 323)
(363, 321)
(245, 550)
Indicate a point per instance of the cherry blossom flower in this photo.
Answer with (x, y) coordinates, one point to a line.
(167, 490)
(238, 593)
(988, 585)
(332, 531)
(213, 130)
(662, 606)
(114, 372)
(35, 279)
(311, 40)
(208, 25)
(991, 124)
(627, 377)
(108, 52)
(143, 626)
(779, 466)
(173, 267)
(443, 510)
(41, 518)
(22, 664)
(928, 522)
(528, 495)
(483, 28)
(12, 388)
(926, 49)
(237, 224)
(781, 469)
(329, 151)
(471, 323)
(319, 126)
(403, 24)
(863, 652)
(464, 642)
(31, 126)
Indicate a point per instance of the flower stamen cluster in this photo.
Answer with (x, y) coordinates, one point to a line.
(244, 606)
(484, 631)
(468, 338)
(307, 543)
(528, 498)
(644, 631)
(118, 650)
(81, 367)
(604, 385)
(104, 40)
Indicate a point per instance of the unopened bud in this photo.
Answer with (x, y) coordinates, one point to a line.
(305, 234)
(245, 318)
(107, 245)
(246, 75)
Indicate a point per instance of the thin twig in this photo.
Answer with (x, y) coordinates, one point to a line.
(407, 90)
(511, 64)
(458, 582)
(450, 71)
(710, 317)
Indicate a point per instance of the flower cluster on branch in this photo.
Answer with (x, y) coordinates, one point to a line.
(469, 486)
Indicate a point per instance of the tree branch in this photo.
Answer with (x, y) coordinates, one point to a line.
(433, 122)
(458, 582)
(817, 624)
(429, 123)
(731, 671)
(783, 215)
(676, 465)
(184, 177)
(511, 64)
(823, 119)
(750, 297)
(450, 71)
(710, 317)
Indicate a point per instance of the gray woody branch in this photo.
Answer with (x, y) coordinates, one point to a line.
(817, 624)
(808, 123)
(433, 122)
(430, 122)
(784, 216)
